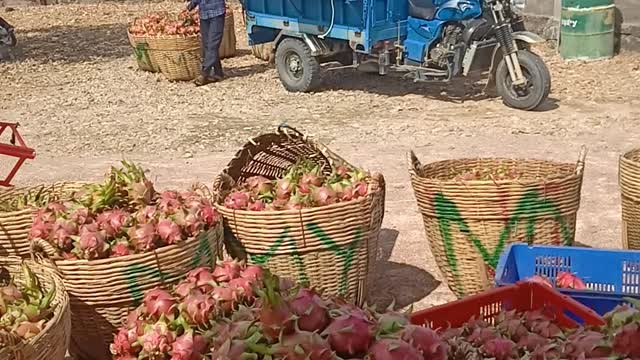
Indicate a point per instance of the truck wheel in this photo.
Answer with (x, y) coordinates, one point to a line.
(538, 82)
(298, 70)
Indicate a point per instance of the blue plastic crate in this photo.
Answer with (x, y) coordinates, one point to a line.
(610, 275)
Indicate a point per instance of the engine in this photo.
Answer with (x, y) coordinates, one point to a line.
(440, 54)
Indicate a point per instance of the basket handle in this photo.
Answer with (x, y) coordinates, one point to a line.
(284, 128)
(581, 159)
(43, 252)
(414, 164)
(219, 183)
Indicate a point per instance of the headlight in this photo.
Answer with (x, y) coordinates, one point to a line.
(519, 4)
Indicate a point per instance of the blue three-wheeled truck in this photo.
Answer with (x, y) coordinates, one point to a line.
(427, 40)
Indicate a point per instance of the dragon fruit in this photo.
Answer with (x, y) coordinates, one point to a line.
(185, 288)
(81, 216)
(540, 280)
(425, 340)
(169, 201)
(393, 349)
(252, 272)
(189, 347)
(40, 229)
(590, 344)
(159, 302)
(209, 215)
(143, 237)
(259, 186)
(500, 349)
(112, 221)
(226, 297)
(146, 214)
(303, 345)
(227, 270)
(157, 340)
(567, 280)
(199, 308)
(92, 244)
(120, 249)
(276, 315)
(311, 310)
(324, 196)
(284, 188)
(391, 321)
(237, 200)
(349, 334)
(124, 343)
(169, 231)
(202, 278)
(626, 341)
(243, 288)
(10, 293)
(62, 231)
(257, 205)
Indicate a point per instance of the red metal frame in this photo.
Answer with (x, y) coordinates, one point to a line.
(522, 296)
(19, 150)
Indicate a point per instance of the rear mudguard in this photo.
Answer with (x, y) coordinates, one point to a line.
(526, 37)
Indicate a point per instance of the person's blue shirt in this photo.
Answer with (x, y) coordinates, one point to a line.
(208, 8)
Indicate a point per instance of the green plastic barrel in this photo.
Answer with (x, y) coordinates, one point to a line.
(586, 29)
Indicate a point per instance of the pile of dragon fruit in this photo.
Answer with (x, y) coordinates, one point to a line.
(302, 186)
(25, 308)
(123, 215)
(563, 280)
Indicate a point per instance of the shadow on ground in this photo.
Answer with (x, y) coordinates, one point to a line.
(403, 283)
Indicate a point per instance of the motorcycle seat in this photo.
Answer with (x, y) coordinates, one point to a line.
(422, 9)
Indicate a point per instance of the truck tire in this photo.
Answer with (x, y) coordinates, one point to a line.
(538, 79)
(298, 70)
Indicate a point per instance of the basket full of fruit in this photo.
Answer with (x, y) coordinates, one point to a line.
(473, 208)
(17, 208)
(114, 240)
(291, 204)
(170, 44)
(35, 319)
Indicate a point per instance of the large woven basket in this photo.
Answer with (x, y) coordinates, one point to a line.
(332, 247)
(102, 292)
(629, 179)
(469, 223)
(177, 57)
(16, 225)
(53, 341)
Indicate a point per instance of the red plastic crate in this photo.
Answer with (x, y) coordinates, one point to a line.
(522, 296)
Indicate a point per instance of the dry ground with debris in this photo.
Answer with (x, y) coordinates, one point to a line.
(83, 105)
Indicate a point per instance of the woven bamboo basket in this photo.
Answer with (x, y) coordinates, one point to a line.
(468, 223)
(629, 180)
(16, 225)
(333, 247)
(228, 46)
(102, 292)
(264, 52)
(142, 53)
(53, 341)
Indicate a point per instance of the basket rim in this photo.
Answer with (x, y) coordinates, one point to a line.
(164, 37)
(25, 189)
(61, 291)
(308, 210)
(627, 156)
(546, 179)
(122, 260)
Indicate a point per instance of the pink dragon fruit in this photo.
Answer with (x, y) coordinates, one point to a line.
(10, 293)
(189, 347)
(124, 343)
(120, 249)
(244, 288)
(303, 345)
(237, 200)
(159, 302)
(92, 244)
(40, 229)
(567, 280)
(169, 201)
(209, 215)
(157, 340)
(226, 297)
(202, 278)
(57, 208)
(257, 205)
(311, 310)
(143, 237)
(252, 272)
(425, 340)
(626, 341)
(185, 288)
(112, 221)
(227, 270)
(81, 216)
(349, 334)
(169, 231)
(146, 214)
(259, 185)
(62, 232)
(393, 349)
(199, 308)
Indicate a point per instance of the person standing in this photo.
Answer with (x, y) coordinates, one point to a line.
(212, 14)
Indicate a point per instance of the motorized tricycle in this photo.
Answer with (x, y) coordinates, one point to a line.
(7, 35)
(426, 40)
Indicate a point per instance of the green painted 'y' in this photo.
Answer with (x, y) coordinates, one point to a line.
(530, 206)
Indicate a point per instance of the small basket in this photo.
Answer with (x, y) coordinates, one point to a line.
(617, 275)
(468, 223)
(520, 297)
(53, 341)
(332, 247)
(629, 179)
(102, 292)
(16, 225)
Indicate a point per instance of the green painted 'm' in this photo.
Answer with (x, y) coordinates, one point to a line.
(587, 29)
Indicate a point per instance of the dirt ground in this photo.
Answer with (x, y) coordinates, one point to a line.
(83, 105)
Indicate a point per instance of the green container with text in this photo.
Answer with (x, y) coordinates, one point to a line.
(587, 29)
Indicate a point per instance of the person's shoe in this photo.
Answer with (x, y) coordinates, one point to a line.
(204, 80)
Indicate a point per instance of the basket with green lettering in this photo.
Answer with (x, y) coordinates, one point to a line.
(473, 208)
(102, 292)
(52, 341)
(332, 247)
(16, 213)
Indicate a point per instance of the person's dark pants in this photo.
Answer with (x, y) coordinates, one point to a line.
(211, 31)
